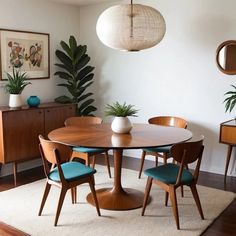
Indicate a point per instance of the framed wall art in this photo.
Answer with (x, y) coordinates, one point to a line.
(26, 51)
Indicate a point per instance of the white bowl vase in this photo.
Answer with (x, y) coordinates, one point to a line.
(15, 100)
(121, 125)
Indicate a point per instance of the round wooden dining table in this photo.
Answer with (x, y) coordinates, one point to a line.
(101, 136)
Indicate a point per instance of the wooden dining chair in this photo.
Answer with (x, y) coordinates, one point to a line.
(87, 153)
(171, 176)
(162, 152)
(63, 174)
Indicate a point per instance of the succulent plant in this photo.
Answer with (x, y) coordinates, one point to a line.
(16, 82)
(120, 110)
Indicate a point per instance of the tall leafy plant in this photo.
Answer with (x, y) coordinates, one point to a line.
(77, 76)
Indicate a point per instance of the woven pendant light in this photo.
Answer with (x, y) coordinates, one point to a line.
(131, 27)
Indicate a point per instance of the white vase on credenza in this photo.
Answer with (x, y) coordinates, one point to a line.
(15, 101)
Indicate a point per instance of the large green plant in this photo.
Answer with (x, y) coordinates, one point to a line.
(77, 76)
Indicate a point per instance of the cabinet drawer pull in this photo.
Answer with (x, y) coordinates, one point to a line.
(40, 112)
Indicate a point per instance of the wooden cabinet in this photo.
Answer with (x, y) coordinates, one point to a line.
(19, 129)
(228, 136)
(56, 116)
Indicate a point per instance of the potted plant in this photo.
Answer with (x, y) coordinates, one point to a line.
(230, 101)
(121, 122)
(15, 85)
(77, 76)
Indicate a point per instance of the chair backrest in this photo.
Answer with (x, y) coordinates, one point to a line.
(188, 152)
(82, 120)
(191, 150)
(48, 151)
(168, 121)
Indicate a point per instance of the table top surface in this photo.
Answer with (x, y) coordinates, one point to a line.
(229, 123)
(101, 136)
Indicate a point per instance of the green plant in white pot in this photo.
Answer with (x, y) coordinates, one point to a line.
(121, 122)
(15, 85)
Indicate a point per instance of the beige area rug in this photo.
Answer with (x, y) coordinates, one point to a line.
(19, 208)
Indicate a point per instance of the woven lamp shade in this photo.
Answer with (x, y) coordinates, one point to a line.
(131, 27)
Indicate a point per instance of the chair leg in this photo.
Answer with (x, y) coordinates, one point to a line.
(93, 161)
(165, 157)
(156, 157)
(197, 200)
(174, 205)
(93, 191)
(87, 161)
(142, 162)
(60, 203)
(182, 191)
(108, 163)
(146, 196)
(45, 195)
(74, 195)
(166, 198)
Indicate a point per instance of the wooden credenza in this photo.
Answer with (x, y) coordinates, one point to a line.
(19, 130)
(228, 136)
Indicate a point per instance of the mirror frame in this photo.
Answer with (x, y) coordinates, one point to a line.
(225, 43)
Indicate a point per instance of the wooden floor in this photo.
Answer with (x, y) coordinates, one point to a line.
(224, 225)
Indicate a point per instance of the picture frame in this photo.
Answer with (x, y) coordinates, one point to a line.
(26, 51)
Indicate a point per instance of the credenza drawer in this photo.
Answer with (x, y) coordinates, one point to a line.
(228, 134)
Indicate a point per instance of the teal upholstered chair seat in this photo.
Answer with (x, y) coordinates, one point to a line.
(165, 149)
(88, 150)
(72, 171)
(168, 174)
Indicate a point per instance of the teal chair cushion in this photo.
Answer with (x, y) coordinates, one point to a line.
(168, 174)
(72, 171)
(89, 150)
(165, 149)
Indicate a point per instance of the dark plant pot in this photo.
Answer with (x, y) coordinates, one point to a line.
(33, 101)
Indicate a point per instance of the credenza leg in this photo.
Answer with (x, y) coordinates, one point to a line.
(15, 171)
(227, 161)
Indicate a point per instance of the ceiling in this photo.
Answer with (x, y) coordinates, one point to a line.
(80, 2)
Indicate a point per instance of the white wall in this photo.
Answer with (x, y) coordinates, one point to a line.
(177, 77)
(59, 20)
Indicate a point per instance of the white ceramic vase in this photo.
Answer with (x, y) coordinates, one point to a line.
(121, 125)
(15, 100)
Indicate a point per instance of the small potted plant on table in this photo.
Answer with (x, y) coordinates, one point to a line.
(15, 85)
(121, 122)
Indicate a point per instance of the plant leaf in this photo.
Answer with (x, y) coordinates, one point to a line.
(88, 110)
(83, 72)
(64, 59)
(66, 48)
(81, 98)
(63, 99)
(73, 43)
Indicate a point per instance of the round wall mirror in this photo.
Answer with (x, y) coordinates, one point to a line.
(226, 57)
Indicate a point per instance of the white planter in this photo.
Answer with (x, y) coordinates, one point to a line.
(15, 100)
(121, 125)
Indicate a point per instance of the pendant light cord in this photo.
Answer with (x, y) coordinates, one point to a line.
(132, 20)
